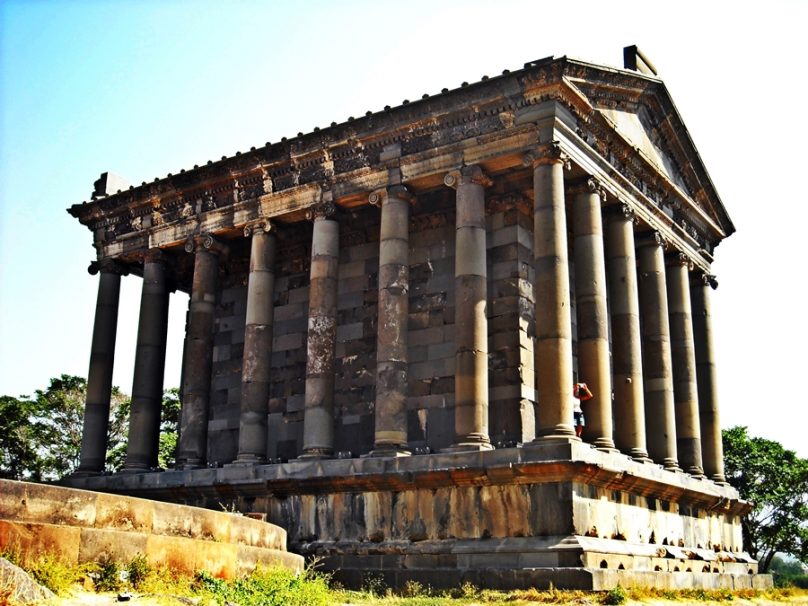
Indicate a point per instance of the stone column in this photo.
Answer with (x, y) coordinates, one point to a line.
(683, 356)
(471, 324)
(390, 415)
(551, 290)
(150, 356)
(712, 448)
(594, 366)
(318, 414)
(257, 360)
(656, 353)
(629, 405)
(193, 440)
(99, 376)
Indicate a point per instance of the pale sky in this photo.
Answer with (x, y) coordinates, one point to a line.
(144, 88)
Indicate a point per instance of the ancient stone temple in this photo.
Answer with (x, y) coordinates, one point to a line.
(386, 319)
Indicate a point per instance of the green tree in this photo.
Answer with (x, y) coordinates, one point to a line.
(59, 417)
(775, 480)
(18, 454)
(40, 437)
(169, 423)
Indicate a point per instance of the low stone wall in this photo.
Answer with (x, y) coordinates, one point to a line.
(84, 526)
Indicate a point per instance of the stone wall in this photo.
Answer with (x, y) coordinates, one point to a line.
(431, 350)
(82, 526)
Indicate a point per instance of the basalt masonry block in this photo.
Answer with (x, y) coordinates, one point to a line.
(387, 317)
(81, 526)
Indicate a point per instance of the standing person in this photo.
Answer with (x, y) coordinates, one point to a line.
(580, 393)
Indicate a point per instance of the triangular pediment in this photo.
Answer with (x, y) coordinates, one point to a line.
(636, 127)
(641, 112)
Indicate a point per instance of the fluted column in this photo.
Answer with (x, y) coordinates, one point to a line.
(390, 415)
(551, 290)
(257, 359)
(318, 414)
(629, 404)
(656, 353)
(99, 377)
(712, 448)
(150, 356)
(193, 441)
(593, 316)
(683, 356)
(471, 323)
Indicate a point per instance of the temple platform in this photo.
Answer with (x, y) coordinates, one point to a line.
(560, 513)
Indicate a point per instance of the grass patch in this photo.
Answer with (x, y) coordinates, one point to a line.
(267, 587)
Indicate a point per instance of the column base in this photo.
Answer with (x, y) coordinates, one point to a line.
(316, 453)
(190, 464)
(640, 455)
(671, 465)
(247, 460)
(719, 479)
(467, 447)
(696, 472)
(388, 451)
(134, 469)
(604, 445)
(85, 473)
(562, 431)
(554, 439)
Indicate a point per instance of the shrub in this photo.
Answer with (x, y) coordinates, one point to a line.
(616, 595)
(139, 571)
(54, 574)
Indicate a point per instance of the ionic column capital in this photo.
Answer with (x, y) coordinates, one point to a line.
(549, 153)
(622, 211)
(154, 255)
(259, 225)
(108, 266)
(651, 239)
(468, 174)
(380, 196)
(206, 242)
(702, 278)
(679, 258)
(326, 209)
(589, 185)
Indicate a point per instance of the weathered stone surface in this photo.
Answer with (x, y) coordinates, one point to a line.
(18, 587)
(112, 527)
(447, 321)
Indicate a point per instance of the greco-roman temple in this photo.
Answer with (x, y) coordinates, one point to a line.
(386, 319)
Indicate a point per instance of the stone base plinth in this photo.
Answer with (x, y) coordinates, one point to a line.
(557, 512)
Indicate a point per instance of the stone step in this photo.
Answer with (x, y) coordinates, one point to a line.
(85, 526)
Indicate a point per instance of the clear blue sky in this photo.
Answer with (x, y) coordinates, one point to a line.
(143, 88)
